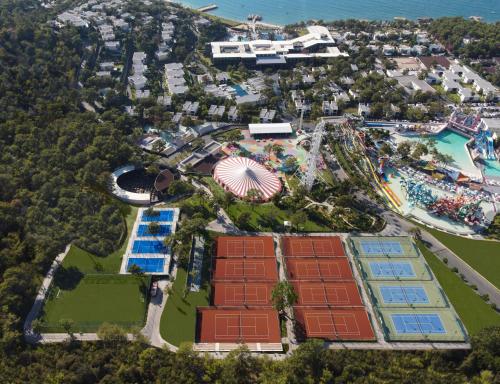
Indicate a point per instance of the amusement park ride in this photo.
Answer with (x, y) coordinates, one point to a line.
(460, 208)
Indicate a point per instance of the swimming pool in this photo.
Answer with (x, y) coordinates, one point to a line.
(492, 168)
(239, 90)
(165, 215)
(147, 265)
(164, 230)
(148, 246)
(453, 144)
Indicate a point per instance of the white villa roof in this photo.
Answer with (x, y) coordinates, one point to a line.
(266, 129)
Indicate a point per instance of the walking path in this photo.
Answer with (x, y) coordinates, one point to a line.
(29, 335)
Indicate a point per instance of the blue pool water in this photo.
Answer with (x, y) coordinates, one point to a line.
(147, 265)
(418, 323)
(381, 247)
(290, 11)
(239, 90)
(404, 295)
(166, 215)
(143, 230)
(492, 168)
(148, 246)
(392, 269)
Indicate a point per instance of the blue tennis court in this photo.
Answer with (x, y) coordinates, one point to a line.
(147, 265)
(371, 247)
(418, 323)
(148, 246)
(166, 215)
(404, 295)
(164, 230)
(392, 269)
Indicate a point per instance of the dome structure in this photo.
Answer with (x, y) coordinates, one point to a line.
(239, 175)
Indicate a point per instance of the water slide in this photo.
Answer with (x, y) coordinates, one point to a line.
(490, 150)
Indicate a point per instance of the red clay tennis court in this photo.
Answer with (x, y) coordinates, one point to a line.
(237, 294)
(241, 246)
(238, 326)
(242, 269)
(335, 324)
(314, 269)
(313, 246)
(330, 293)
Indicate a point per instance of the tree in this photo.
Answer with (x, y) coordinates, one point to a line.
(154, 228)
(419, 151)
(298, 218)
(404, 149)
(67, 325)
(111, 334)
(134, 269)
(277, 149)
(283, 296)
(385, 150)
(254, 195)
(233, 136)
(243, 219)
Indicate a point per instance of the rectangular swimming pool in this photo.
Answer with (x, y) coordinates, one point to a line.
(147, 265)
(143, 230)
(165, 215)
(420, 323)
(239, 90)
(148, 246)
(404, 295)
(392, 269)
(381, 247)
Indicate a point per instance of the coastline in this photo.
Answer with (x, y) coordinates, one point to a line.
(285, 12)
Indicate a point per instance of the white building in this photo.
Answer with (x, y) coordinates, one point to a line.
(317, 43)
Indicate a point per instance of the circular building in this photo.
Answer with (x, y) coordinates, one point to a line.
(239, 175)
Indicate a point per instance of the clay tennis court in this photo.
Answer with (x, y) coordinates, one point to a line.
(245, 269)
(240, 246)
(237, 294)
(314, 269)
(238, 326)
(331, 293)
(314, 246)
(336, 324)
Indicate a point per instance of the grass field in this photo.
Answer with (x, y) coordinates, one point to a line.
(482, 255)
(86, 262)
(474, 312)
(97, 299)
(263, 216)
(267, 217)
(178, 322)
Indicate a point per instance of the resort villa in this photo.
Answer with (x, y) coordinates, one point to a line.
(318, 43)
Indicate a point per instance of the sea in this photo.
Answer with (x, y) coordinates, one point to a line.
(290, 11)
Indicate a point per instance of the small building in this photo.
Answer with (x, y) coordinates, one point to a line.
(267, 116)
(269, 129)
(329, 108)
(232, 114)
(363, 110)
(215, 110)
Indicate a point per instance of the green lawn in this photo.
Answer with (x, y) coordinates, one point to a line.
(263, 216)
(482, 255)
(178, 322)
(86, 262)
(94, 300)
(267, 217)
(474, 312)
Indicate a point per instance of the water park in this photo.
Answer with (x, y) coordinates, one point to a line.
(449, 177)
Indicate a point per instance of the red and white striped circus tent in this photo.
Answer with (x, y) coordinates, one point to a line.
(238, 175)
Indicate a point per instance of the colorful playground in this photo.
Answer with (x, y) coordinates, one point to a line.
(257, 149)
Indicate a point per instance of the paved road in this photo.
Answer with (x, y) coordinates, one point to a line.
(29, 335)
(155, 310)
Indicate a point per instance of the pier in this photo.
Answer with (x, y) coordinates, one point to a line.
(206, 8)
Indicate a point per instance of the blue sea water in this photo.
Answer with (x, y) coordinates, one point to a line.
(290, 11)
